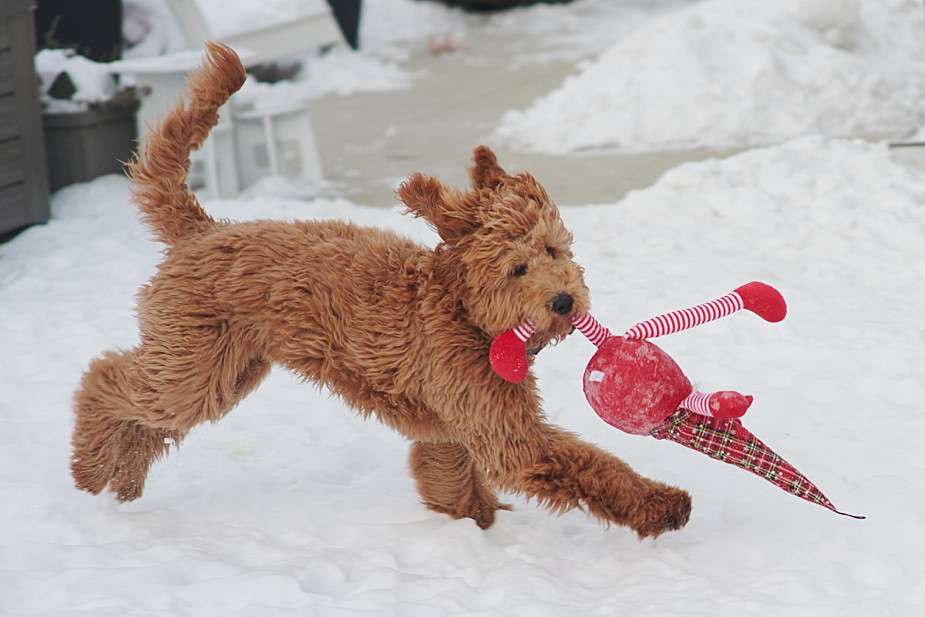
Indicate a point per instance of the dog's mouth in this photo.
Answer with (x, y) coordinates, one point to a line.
(543, 340)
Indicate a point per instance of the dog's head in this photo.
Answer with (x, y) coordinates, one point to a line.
(506, 247)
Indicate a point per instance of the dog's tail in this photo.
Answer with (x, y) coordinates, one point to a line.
(167, 205)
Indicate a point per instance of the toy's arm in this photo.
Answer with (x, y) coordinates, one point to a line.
(759, 298)
(591, 328)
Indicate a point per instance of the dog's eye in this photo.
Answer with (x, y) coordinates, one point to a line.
(551, 252)
(519, 270)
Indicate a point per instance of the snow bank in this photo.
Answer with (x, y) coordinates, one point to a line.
(735, 72)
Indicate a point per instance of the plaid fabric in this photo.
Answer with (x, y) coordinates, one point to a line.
(730, 442)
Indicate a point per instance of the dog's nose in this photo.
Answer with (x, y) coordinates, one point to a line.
(562, 304)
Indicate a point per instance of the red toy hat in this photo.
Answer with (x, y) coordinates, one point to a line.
(730, 442)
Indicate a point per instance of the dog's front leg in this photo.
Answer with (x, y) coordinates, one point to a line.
(524, 454)
(573, 474)
(503, 432)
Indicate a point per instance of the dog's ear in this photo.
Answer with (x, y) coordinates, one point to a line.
(485, 171)
(446, 210)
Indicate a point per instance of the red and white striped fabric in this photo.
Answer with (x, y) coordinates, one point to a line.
(723, 405)
(686, 318)
(699, 403)
(591, 328)
(524, 330)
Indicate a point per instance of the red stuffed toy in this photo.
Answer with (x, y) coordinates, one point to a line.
(635, 386)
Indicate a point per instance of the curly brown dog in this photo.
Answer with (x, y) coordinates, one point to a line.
(399, 331)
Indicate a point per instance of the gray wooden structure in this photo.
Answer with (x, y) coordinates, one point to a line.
(23, 174)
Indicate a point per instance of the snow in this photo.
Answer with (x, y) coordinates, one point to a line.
(92, 81)
(291, 505)
(740, 72)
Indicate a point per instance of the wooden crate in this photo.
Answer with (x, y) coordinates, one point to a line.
(85, 145)
(23, 176)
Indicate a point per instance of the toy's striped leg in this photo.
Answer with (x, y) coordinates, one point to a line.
(723, 405)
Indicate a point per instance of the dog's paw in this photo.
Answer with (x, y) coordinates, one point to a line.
(125, 487)
(662, 508)
(482, 512)
(90, 476)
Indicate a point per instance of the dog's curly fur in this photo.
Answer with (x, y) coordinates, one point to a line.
(399, 331)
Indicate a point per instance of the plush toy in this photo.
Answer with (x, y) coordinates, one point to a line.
(635, 386)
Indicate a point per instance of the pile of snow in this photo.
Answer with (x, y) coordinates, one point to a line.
(740, 72)
(551, 33)
(92, 82)
(293, 506)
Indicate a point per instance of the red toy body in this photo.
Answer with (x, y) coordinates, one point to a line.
(633, 385)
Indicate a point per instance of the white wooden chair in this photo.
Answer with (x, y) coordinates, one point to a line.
(227, 156)
(278, 141)
(316, 28)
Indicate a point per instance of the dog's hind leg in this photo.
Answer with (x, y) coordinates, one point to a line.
(450, 482)
(133, 405)
(142, 444)
(105, 435)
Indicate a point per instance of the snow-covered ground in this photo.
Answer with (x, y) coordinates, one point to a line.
(293, 506)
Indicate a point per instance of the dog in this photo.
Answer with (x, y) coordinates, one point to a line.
(399, 331)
